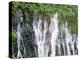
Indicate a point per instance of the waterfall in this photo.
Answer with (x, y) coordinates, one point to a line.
(20, 39)
(40, 35)
(69, 42)
(62, 38)
(50, 39)
(58, 36)
(53, 29)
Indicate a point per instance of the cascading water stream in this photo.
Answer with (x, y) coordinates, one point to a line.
(40, 36)
(53, 29)
(20, 39)
(69, 41)
(47, 38)
(61, 38)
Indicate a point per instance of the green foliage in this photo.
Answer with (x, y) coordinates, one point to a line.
(66, 12)
(13, 35)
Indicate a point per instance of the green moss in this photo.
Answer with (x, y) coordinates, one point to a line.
(13, 34)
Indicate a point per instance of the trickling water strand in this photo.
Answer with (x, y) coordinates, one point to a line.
(46, 47)
(63, 38)
(53, 28)
(68, 39)
(18, 40)
(58, 47)
(40, 41)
